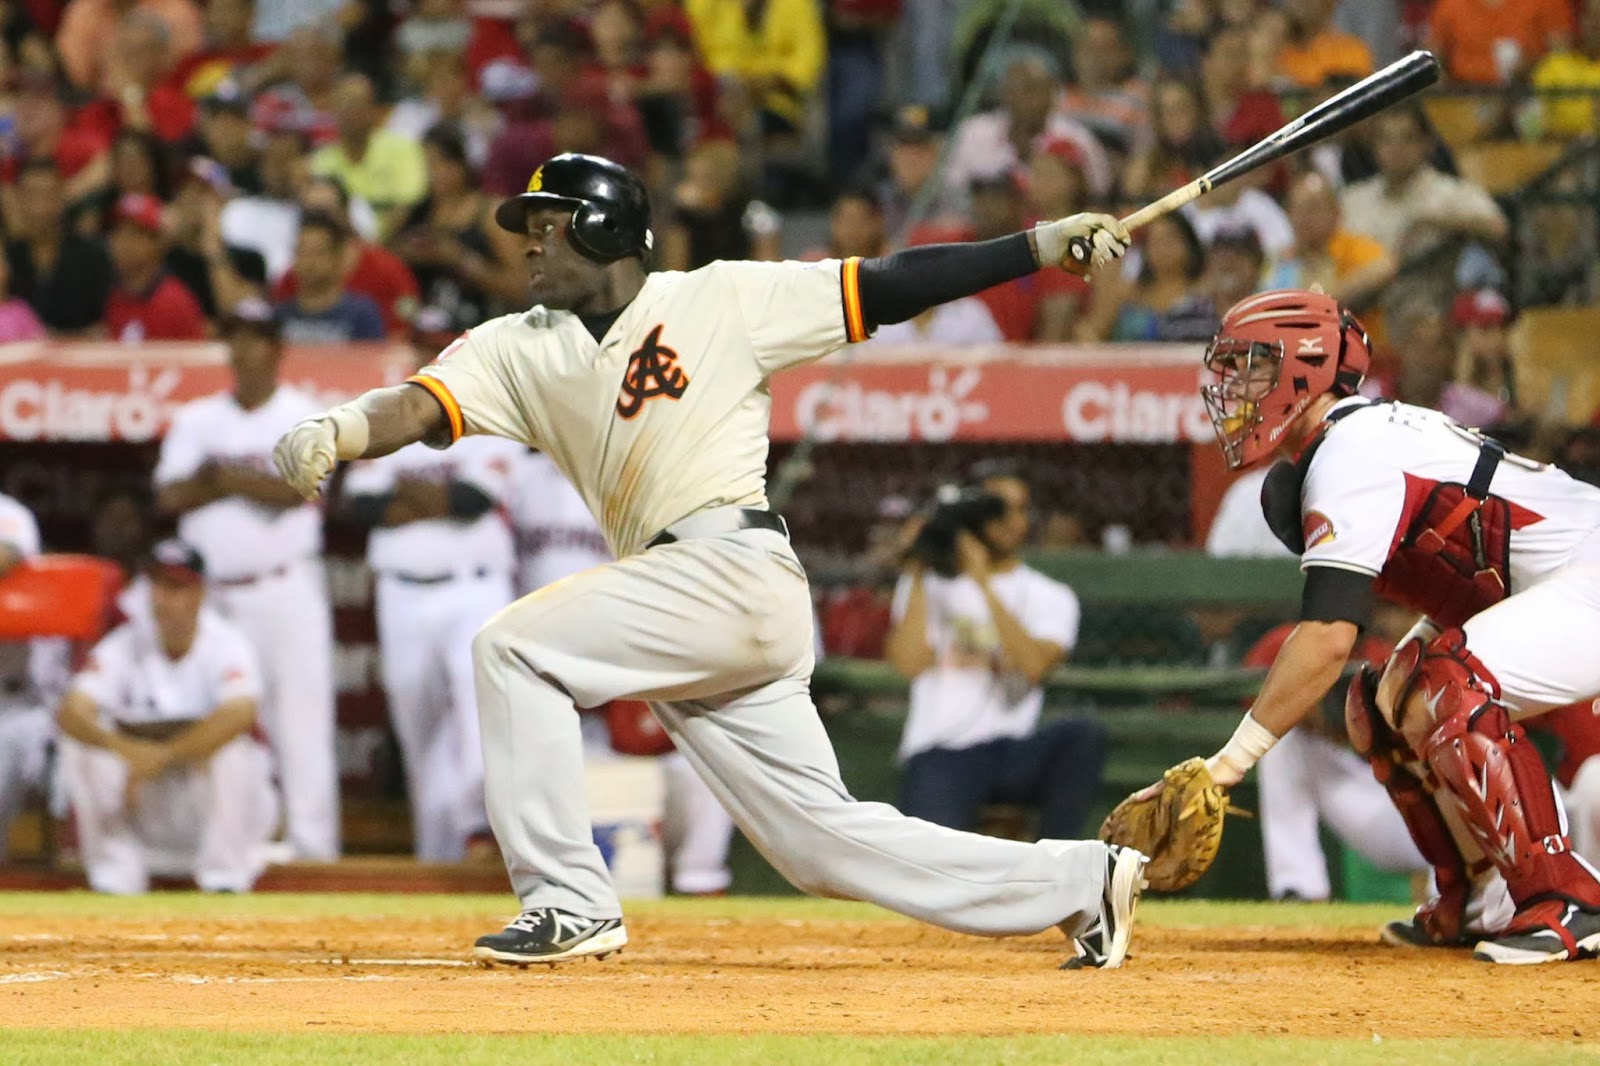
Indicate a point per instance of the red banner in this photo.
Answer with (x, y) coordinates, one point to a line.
(103, 392)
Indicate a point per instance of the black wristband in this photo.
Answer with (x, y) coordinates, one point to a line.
(1335, 594)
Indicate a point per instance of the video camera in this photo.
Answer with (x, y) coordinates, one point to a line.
(953, 509)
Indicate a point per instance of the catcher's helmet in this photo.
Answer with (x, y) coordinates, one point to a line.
(610, 208)
(1275, 353)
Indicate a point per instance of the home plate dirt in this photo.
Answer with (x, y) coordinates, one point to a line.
(698, 975)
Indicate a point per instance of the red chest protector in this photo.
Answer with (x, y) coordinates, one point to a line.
(1451, 559)
(1454, 557)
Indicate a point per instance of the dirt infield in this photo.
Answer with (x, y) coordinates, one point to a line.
(742, 974)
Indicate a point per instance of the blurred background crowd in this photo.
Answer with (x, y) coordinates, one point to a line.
(165, 163)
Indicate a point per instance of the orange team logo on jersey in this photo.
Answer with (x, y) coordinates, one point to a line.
(652, 371)
(1318, 529)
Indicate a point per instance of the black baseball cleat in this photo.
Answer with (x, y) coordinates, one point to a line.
(1570, 933)
(545, 934)
(1105, 946)
(1410, 933)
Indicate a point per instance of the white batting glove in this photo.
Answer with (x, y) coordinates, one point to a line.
(307, 454)
(1102, 237)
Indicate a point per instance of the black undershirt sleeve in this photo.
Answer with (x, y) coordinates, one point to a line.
(1334, 594)
(901, 286)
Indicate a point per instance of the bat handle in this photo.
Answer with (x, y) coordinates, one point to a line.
(1080, 252)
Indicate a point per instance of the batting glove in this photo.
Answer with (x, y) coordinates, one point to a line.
(306, 454)
(1079, 243)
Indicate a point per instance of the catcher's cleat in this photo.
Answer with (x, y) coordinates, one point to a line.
(545, 934)
(1550, 931)
(1410, 933)
(1106, 944)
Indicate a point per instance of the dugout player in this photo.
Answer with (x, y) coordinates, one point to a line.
(650, 392)
(1502, 557)
(262, 544)
(441, 555)
(164, 774)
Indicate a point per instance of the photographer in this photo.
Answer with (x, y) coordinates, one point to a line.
(975, 631)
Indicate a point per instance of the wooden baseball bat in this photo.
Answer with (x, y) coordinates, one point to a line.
(1395, 82)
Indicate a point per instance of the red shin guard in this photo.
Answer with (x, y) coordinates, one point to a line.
(1497, 779)
(1388, 754)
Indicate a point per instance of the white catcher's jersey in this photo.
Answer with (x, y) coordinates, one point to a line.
(131, 680)
(1373, 472)
(668, 415)
(436, 546)
(239, 538)
(555, 533)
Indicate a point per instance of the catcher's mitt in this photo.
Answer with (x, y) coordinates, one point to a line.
(1177, 822)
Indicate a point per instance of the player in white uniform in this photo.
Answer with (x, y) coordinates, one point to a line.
(650, 392)
(164, 774)
(556, 535)
(1502, 557)
(441, 554)
(262, 545)
(31, 679)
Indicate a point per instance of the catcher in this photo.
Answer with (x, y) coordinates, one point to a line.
(1502, 557)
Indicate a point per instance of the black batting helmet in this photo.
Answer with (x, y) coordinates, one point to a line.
(610, 208)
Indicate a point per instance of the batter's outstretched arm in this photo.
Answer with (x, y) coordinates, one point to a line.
(901, 286)
(378, 422)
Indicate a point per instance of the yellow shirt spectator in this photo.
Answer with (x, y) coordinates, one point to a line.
(390, 175)
(779, 51)
(1328, 54)
(1568, 116)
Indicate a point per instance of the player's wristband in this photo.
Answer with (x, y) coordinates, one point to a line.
(350, 431)
(1248, 743)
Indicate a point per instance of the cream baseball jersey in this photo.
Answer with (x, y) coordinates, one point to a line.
(667, 415)
(131, 679)
(1374, 470)
(239, 538)
(437, 546)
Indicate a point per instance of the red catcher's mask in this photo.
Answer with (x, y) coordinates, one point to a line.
(1275, 353)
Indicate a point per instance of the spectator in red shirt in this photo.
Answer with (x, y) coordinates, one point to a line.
(140, 98)
(147, 303)
(44, 132)
(1056, 187)
(369, 269)
(998, 208)
(1240, 113)
(228, 54)
(304, 103)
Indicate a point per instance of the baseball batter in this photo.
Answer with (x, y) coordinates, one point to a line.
(440, 551)
(261, 543)
(1502, 557)
(650, 392)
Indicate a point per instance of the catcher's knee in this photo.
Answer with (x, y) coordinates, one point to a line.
(1430, 680)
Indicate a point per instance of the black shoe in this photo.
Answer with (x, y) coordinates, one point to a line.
(1106, 944)
(545, 934)
(1410, 933)
(1535, 945)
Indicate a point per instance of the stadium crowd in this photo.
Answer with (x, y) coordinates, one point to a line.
(325, 171)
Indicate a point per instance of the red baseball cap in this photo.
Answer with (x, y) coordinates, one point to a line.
(139, 209)
(1480, 307)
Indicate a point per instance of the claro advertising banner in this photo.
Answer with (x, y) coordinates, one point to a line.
(105, 392)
